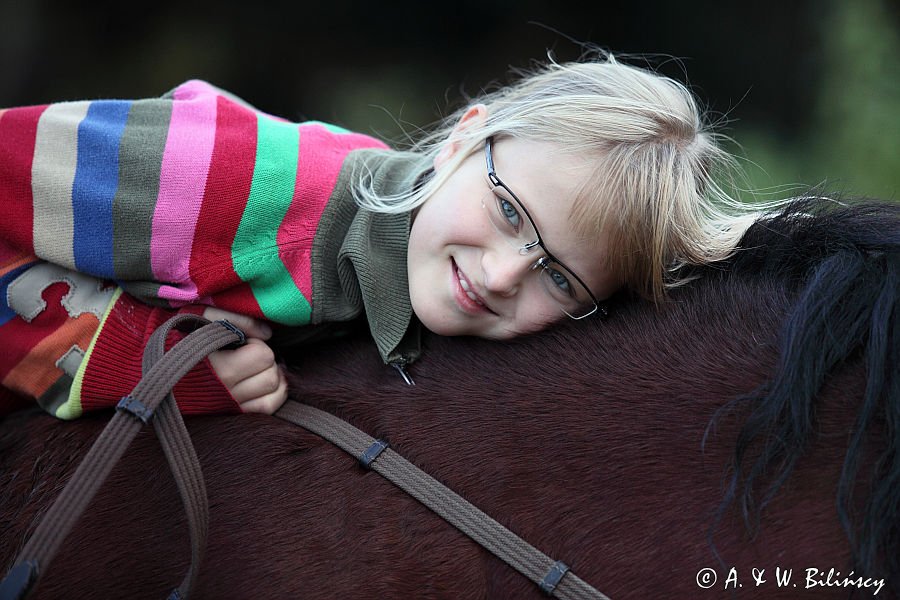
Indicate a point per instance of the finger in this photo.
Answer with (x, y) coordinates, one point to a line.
(269, 403)
(250, 326)
(258, 386)
(233, 366)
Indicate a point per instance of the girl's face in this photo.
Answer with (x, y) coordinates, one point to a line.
(465, 279)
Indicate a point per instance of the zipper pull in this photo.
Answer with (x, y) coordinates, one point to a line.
(400, 365)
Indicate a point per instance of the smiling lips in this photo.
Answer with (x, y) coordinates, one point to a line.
(476, 303)
(465, 286)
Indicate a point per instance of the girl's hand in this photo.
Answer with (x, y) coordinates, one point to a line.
(250, 372)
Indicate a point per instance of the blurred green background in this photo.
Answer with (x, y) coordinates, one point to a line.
(809, 90)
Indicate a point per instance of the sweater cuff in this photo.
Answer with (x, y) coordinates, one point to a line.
(114, 363)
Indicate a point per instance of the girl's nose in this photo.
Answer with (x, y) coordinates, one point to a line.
(504, 270)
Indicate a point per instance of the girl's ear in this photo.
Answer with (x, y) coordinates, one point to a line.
(475, 116)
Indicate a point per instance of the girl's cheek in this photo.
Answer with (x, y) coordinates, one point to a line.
(539, 313)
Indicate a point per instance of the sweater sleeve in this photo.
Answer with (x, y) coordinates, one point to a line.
(192, 198)
(112, 365)
(72, 343)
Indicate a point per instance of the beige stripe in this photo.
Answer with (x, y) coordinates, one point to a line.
(52, 174)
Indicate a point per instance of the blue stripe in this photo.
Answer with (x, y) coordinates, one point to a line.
(96, 178)
(6, 313)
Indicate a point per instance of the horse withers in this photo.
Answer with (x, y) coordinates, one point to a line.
(740, 441)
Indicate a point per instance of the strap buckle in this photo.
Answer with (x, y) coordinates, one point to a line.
(372, 452)
(242, 338)
(18, 582)
(135, 408)
(552, 578)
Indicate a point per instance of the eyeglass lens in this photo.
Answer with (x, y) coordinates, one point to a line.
(510, 220)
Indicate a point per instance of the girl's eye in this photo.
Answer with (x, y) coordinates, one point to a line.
(509, 213)
(560, 281)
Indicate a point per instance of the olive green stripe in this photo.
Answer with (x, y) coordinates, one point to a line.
(140, 162)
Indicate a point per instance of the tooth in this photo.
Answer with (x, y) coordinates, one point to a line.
(462, 281)
(465, 287)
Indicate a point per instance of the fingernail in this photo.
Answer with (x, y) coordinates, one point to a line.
(265, 329)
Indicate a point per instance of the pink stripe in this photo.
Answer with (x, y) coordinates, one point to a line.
(185, 165)
(322, 154)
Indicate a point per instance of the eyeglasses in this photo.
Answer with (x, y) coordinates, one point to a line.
(510, 218)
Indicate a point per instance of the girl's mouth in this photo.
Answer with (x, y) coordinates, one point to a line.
(465, 295)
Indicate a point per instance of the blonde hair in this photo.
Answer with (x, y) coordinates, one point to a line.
(652, 189)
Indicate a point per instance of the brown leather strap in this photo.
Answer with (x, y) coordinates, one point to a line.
(161, 373)
(553, 577)
(180, 454)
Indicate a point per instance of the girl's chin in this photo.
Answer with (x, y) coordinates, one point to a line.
(440, 325)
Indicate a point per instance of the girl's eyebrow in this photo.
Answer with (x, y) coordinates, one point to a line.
(516, 191)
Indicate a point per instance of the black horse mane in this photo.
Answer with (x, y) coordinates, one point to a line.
(844, 260)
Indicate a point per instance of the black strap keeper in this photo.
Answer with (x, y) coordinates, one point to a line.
(234, 328)
(371, 453)
(553, 576)
(18, 581)
(136, 408)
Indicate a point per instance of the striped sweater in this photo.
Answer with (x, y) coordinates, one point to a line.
(114, 214)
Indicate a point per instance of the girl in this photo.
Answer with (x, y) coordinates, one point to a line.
(534, 204)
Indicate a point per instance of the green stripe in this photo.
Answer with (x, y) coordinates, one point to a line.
(140, 161)
(254, 252)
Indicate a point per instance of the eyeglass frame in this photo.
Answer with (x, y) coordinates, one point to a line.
(497, 182)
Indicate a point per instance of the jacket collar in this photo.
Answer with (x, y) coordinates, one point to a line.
(369, 251)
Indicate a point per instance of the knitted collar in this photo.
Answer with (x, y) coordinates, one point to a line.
(359, 256)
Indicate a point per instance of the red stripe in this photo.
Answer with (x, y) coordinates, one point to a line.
(18, 129)
(239, 299)
(322, 154)
(224, 201)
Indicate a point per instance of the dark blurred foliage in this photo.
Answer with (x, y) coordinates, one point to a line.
(384, 67)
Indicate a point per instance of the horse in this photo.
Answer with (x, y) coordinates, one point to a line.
(740, 440)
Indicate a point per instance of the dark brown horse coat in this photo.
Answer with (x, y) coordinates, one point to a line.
(588, 441)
